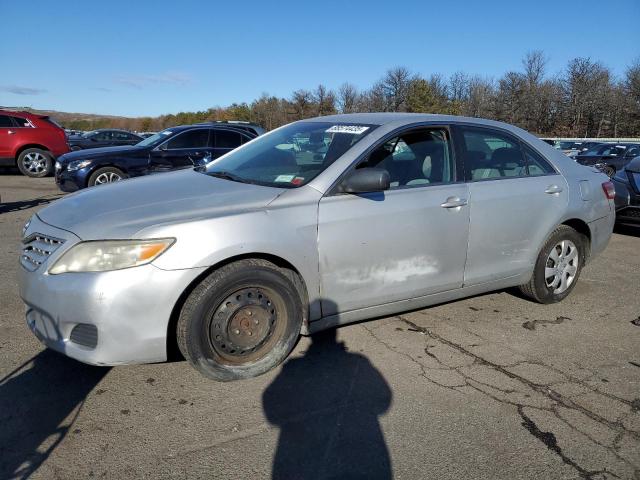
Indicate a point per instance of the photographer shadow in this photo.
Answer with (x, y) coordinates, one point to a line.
(327, 405)
(39, 402)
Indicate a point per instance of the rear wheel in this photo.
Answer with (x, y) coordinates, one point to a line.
(35, 163)
(241, 321)
(558, 266)
(106, 175)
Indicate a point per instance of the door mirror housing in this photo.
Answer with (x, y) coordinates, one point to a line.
(366, 180)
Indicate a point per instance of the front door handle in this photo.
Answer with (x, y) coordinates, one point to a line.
(11, 132)
(454, 202)
(551, 189)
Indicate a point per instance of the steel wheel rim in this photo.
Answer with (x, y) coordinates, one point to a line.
(107, 177)
(245, 325)
(561, 266)
(35, 162)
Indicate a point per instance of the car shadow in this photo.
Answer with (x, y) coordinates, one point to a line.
(27, 204)
(326, 405)
(39, 402)
(627, 230)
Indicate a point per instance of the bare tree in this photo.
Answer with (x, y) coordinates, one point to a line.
(347, 98)
(395, 86)
(325, 100)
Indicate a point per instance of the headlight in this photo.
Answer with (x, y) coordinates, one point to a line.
(78, 164)
(105, 255)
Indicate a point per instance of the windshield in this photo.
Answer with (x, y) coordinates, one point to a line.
(603, 150)
(88, 134)
(155, 138)
(567, 145)
(291, 156)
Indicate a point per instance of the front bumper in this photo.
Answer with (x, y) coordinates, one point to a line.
(65, 181)
(101, 318)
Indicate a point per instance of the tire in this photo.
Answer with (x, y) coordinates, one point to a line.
(556, 274)
(241, 321)
(35, 163)
(106, 175)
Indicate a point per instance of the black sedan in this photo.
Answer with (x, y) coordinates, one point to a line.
(627, 183)
(171, 149)
(103, 138)
(609, 157)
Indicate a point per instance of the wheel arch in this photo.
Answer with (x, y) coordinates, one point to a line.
(173, 352)
(27, 146)
(581, 227)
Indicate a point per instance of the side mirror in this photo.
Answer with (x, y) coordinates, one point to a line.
(366, 180)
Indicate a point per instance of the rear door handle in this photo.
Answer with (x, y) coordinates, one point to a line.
(454, 202)
(551, 189)
(11, 132)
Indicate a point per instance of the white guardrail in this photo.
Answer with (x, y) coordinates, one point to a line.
(601, 139)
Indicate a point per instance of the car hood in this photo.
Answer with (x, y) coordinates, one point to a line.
(122, 209)
(98, 152)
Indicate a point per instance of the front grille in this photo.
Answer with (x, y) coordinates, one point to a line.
(37, 248)
(85, 334)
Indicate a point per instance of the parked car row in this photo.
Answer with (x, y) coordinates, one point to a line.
(171, 149)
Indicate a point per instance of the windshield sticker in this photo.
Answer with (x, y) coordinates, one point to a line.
(352, 129)
(284, 178)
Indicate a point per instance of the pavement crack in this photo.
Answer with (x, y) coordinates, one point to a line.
(551, 442)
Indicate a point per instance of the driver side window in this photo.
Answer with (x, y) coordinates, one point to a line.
(418, 157)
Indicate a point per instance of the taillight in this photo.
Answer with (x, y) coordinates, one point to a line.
(609, 190)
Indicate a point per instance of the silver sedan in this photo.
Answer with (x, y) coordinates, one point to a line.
(319, 223)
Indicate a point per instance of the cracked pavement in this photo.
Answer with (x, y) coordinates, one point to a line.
(494, 386)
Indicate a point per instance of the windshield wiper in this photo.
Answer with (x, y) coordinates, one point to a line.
(228, 176)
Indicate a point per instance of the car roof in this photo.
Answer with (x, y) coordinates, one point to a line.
(215, 126)
(383, 118)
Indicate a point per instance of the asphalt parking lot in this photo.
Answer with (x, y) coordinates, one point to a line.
(493, 386)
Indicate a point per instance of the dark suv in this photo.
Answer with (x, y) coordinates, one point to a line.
(172, 149)
(103, 138)
(31, 142)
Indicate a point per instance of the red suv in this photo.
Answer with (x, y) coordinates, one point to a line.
(30, 141)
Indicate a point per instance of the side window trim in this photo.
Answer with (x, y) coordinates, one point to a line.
(17, 124)
(173, 137)
(332, 191)
(240, 134)
(542, 157)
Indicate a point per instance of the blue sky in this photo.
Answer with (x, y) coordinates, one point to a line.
(148, 58)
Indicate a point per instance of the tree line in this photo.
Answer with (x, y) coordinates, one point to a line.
(585, 99)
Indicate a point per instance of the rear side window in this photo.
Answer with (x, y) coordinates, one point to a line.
(21, 122)
(536, 165)
(227, 139)
(5, 121)
(190, 139)
(102, 136)
(491, 155)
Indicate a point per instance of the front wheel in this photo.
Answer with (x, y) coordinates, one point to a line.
(558, 266)
(106, 175)
(240, 321)
(35, 163)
